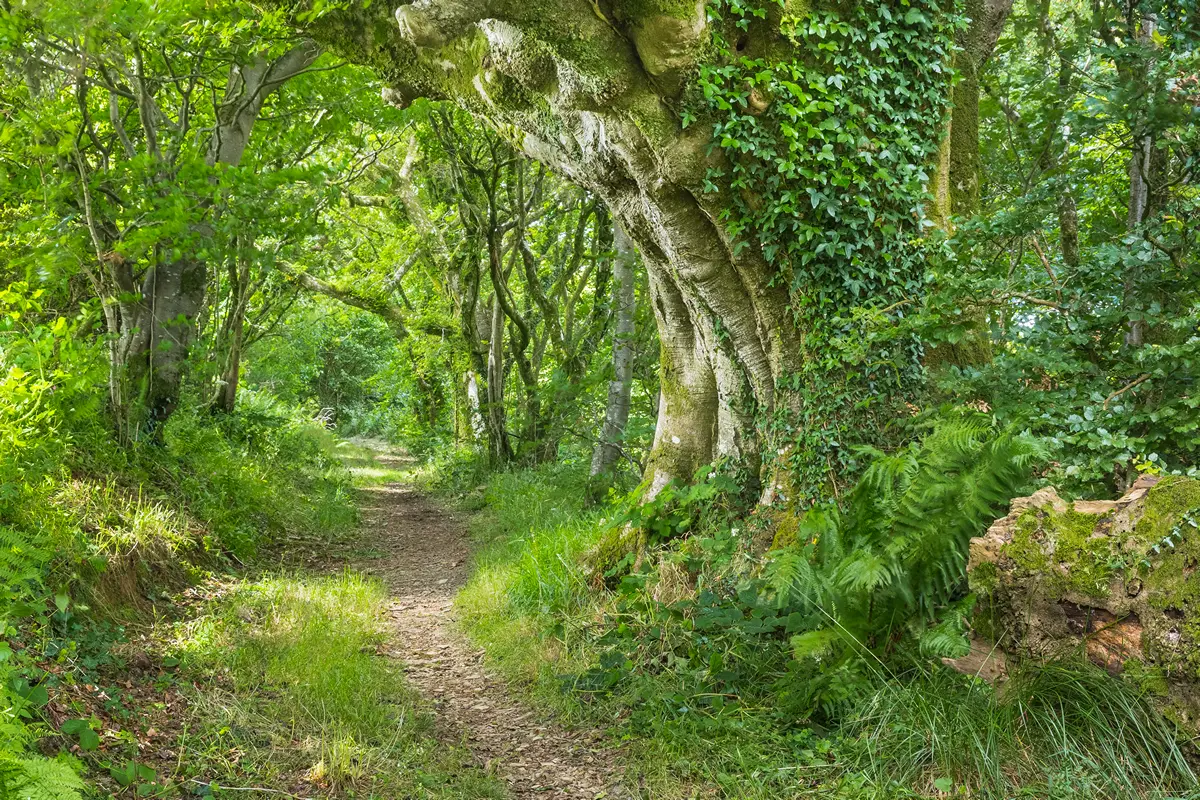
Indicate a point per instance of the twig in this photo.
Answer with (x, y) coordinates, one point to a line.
(1037, 301)
(1037, 248)
(1143, 377)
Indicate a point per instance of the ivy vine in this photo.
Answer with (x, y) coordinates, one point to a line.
(830, 152)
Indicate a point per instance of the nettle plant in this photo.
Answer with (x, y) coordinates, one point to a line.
(830, 153)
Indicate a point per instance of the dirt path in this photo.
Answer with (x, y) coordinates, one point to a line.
(424, 560)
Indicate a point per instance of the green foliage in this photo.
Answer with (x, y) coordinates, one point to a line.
(301, 656)
(39, 779)
(896, 547)
(23, 776)
(878, 578)
(1063, 729)
(1093, 312)
(242, 473)
(830, 155)
(710, 498)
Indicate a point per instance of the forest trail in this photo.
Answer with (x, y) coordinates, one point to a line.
(422, 553)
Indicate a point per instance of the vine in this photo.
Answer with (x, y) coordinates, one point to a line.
(830, 151)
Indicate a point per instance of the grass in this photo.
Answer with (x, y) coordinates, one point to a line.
(1063, 729)
(532, 606)
(371, 463)
(309, 701)
(1055, 731)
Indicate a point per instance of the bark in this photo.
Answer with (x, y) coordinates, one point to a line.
(977, 41)
(956, 182)
(233, 333)
(1142, 169)
(154, 321)
(248, 87)
(501, 451)
(1051, 578)
(616, 412)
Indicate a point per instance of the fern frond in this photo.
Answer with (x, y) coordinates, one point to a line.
(36, 778)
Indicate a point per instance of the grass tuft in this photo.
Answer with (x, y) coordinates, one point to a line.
(1065, 729)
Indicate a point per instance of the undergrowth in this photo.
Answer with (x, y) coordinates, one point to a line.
(798, 652)
(306, 694)
(95, 534)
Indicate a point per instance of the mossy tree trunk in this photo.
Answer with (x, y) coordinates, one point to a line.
(594, 91)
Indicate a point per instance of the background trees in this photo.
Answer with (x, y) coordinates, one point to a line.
(1082, 256)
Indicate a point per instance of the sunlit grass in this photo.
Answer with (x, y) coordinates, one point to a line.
(309, 695)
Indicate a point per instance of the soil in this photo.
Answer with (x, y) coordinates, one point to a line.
(422, 553)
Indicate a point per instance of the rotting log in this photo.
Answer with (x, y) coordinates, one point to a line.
(1115, 580)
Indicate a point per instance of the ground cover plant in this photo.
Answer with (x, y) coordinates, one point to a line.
(780, 668)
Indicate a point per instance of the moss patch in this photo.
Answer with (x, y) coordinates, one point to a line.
(1172, 579)
(1061, 545)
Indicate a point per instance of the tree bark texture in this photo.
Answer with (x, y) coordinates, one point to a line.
(616, 411)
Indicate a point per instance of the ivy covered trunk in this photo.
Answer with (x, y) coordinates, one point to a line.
(770, 164)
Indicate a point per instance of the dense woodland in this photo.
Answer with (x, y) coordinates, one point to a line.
(733, 325)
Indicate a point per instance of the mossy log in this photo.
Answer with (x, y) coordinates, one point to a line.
(1116, 580)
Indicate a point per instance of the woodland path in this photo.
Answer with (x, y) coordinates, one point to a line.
(422, 553)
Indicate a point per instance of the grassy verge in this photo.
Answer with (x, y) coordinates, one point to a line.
(532, 604)
(1065, 730)
(300, 699)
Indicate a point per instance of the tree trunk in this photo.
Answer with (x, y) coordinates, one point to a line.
(590, 91)
(500, 449)
(616, 412)
(155, 331)
(1142, 164)
(977, 41)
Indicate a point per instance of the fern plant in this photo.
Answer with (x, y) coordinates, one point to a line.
(24, 776)
(888, 565)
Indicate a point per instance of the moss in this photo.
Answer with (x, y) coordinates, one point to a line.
(1172, 580)
(1147, 678)
(639, 9)
(1166, 502)
(984, 578)
(1061, 546)
(1025, 549)
(787, 527)
(609, 552)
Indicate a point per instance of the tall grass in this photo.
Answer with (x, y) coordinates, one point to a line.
(1064, 729)
(528, 600)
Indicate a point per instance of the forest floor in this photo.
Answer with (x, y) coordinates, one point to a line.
(422, 554)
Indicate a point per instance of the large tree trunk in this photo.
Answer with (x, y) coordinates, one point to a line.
(616, 412)
(592, 89)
